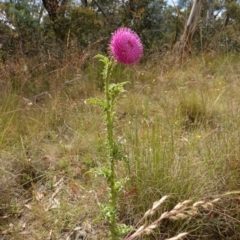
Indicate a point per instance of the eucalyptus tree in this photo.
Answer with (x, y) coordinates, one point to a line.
(185, 44)
(213, 24)
(210, 12)
(55, 8)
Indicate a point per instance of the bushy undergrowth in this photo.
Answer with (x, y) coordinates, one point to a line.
(177, 126)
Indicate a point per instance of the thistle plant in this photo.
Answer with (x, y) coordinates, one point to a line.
(126, 48)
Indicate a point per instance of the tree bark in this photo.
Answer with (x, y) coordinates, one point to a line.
(84, 3)
(56, 12)
(101, 10)
(54, 8)
(210, 11)
(185, 44)
(51, 6)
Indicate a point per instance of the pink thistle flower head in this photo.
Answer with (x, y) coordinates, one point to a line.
(126, 46)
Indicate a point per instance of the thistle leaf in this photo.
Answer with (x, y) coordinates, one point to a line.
(98, 102)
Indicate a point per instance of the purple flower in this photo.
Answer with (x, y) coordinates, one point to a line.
(126, 46)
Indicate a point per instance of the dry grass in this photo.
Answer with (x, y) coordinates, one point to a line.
(177, 126)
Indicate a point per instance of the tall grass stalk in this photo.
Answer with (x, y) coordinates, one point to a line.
(7, 115)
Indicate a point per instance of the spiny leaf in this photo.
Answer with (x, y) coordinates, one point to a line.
(116, 88)
(102, 58)
(102, 172)
(96, 101)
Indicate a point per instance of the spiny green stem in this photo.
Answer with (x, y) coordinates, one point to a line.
(110, 143)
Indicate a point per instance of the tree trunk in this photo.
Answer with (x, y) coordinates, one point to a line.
(56, 12)
(185, 44)
(101, 10)
(84, 3)
(55, 8)
(210, 11)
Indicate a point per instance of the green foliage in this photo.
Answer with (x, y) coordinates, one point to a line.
(233, 11)
(25, 27)
(80, 25)
(153, 20)
(158, 24)
(84, 25)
